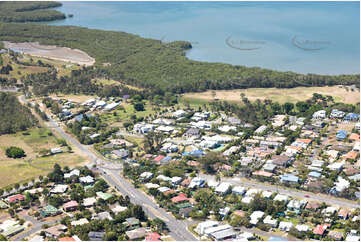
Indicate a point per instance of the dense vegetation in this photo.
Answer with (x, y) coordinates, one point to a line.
(29, 11)
(161, 67)
(14, 116)
(15, 152)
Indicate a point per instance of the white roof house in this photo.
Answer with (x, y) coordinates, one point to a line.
(212, 230)
(176, 180)
(272, 222)
(164, 178)
(260, 129)
(212, 183)
(79, 222)
(335, 166)
(201, 227)
(61, 188)
(163, 189)
(256, 216)
(266, 194)
(252, 192)
(119, 209)
(179, 113)
(341, 184)
(146, 175)
(247, 200)
(86, 179)
(285, 226)
(321, 114)
(87, 202)
(302, 227)
(281, 198)
(56, 150)
(227, 128)
(239, 190)
(111, 106)
(223, 188)
(151, 185)
(74, 172)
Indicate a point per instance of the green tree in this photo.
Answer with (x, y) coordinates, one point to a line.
(15, 152)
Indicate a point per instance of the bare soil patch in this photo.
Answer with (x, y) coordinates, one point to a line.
(52, 52)
(280, 95)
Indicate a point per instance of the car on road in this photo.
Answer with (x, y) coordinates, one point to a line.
(307, 195)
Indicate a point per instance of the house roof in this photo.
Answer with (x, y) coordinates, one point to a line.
(239, 213)
(262, 173)
(180, 198)
(320, 229)
(71, 204)
(158, 158)
(67, 239)
(354, 137)
(154, 236)
(16, 197)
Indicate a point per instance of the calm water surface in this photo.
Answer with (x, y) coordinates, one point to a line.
(305, 37)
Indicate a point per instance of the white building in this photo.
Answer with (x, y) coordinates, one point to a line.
(223, 188)
(256, 216)
(201, 227)
(285, 226)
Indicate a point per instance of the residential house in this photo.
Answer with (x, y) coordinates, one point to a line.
(227, 234)
(71, 206)
(15, 198)
(55, 231)
(341, 135)
(80, 222)
(256, 216)
(223, 188)
(335, 235)
(49, 210)
(90, 201)
(320, 229)
(289, 178)
(201, 227)
(239, 190)
(285, 226)
(269, 221)
(335, 113)
(281, 160)
(102, 216)
(136, 234)
(321, 114)
(96, 236)
(352, 117)
(153, 236)
(192, 132)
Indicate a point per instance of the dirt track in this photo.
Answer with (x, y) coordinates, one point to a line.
(52, 52)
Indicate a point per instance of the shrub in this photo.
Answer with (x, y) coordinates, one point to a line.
(15, 152)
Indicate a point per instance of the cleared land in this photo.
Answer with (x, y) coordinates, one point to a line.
(19, 170)
(280, 95)
(52, 52)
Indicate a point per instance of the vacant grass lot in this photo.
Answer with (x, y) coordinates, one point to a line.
(19, 170)
(276, 94)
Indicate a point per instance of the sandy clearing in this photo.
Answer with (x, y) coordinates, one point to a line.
(281, 95)
(52, 52)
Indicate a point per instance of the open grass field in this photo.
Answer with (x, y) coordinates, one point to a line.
(19, 170)
(73, 97)
(122, 115)
(276, 94)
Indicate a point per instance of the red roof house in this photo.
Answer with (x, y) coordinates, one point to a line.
(180, 198)
(72, 205)
(152, 237)
(320, 229)
(67, 239)
(158, 158)
(15, 198)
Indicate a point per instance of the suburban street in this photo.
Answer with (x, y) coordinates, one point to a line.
(282, 190)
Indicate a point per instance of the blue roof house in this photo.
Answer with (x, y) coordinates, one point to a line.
(352, 116)
(289, 178)
(341, 135)
(314, 174)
